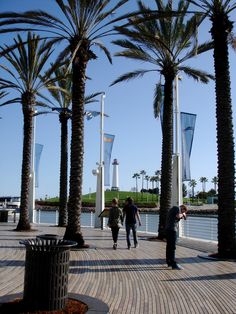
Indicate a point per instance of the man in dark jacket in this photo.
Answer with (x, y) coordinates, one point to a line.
(131, 215)
(173, 217)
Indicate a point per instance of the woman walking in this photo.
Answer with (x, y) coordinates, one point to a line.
(115, 221)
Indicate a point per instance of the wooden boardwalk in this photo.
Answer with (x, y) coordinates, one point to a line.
(131, 281)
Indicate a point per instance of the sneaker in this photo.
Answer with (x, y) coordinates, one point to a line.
(169, 264)
(128, 247)
(177, 267)
(136, 245)
(114, 246)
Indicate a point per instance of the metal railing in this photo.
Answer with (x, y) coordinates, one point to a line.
(203, 227)
(199, 227)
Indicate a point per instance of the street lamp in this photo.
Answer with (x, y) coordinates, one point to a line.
(32, 174)
(177, 197)
(100, 198)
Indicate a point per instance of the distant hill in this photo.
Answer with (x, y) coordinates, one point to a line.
(140, 199)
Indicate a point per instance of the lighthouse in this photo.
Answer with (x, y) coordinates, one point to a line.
(115, 178)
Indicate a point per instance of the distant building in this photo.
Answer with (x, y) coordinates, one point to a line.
(115, 177)
(10, 201)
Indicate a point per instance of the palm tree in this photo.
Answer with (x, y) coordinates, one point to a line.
(152, 180)
(62, 96)
(83, 24)
(192, 184)
(221, 31)
(215, 182)
(166, 44)
(27, 63)
(147, 178)
(136, 176)
(203, 180)
(142, 173)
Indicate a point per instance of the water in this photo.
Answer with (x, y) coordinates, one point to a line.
(198, 227)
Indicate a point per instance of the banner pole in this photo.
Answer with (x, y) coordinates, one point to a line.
(178, 179)
(32, 175)
(100, 191)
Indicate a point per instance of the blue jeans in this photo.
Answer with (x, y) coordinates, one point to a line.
(132, 227)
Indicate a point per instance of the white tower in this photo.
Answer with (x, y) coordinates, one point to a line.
(115, 178)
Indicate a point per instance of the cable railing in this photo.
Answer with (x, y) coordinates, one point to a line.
(202, 227)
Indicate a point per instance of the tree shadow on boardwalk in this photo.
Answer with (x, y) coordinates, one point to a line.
(206, 278)
(136, 261)
(12, 263)
(125, 265)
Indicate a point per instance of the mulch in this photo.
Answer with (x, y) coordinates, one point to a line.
(18, 307)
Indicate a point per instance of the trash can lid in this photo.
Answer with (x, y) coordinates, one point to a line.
(49, 236)
(47, 244)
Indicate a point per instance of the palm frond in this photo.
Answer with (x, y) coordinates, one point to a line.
(158, 100)
(105, 50)
(200, 49)
(91, 98)
(43, 104)
(11, 101)
(130, 76)
(197, 75)
(3, 94)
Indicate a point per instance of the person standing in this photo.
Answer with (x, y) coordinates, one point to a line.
(115, 221)
(174, 215)
(131, 215)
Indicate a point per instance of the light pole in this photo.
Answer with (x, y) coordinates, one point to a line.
(177, 197)
(100, 198)
(32, 174)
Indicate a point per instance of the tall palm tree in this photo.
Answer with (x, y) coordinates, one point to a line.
(82, 26)
(166, 44)
(136, 176)
(203, 180)
(142, 173)
(147, 178)
(61, 104)
(218, 12)
(153, 179)
(26, 65)
(215, 182)
(193, 184)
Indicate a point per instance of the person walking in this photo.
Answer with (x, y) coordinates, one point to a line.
(131, 215)
(115, 221)
(174, 215)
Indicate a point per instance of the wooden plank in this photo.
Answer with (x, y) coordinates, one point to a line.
(131, 281)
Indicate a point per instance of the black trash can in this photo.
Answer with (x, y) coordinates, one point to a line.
(3, 215)
(46, 273)
(49, 236)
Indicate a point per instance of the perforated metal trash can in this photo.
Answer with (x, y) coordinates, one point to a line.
(3, 215)
(46, 273)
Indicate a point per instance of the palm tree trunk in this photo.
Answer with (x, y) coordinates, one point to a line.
(28, 111)
(167, 150)
(225, 141)
(63, 170)
(73, 229)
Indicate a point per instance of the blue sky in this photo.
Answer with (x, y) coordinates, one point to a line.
(137, 144)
